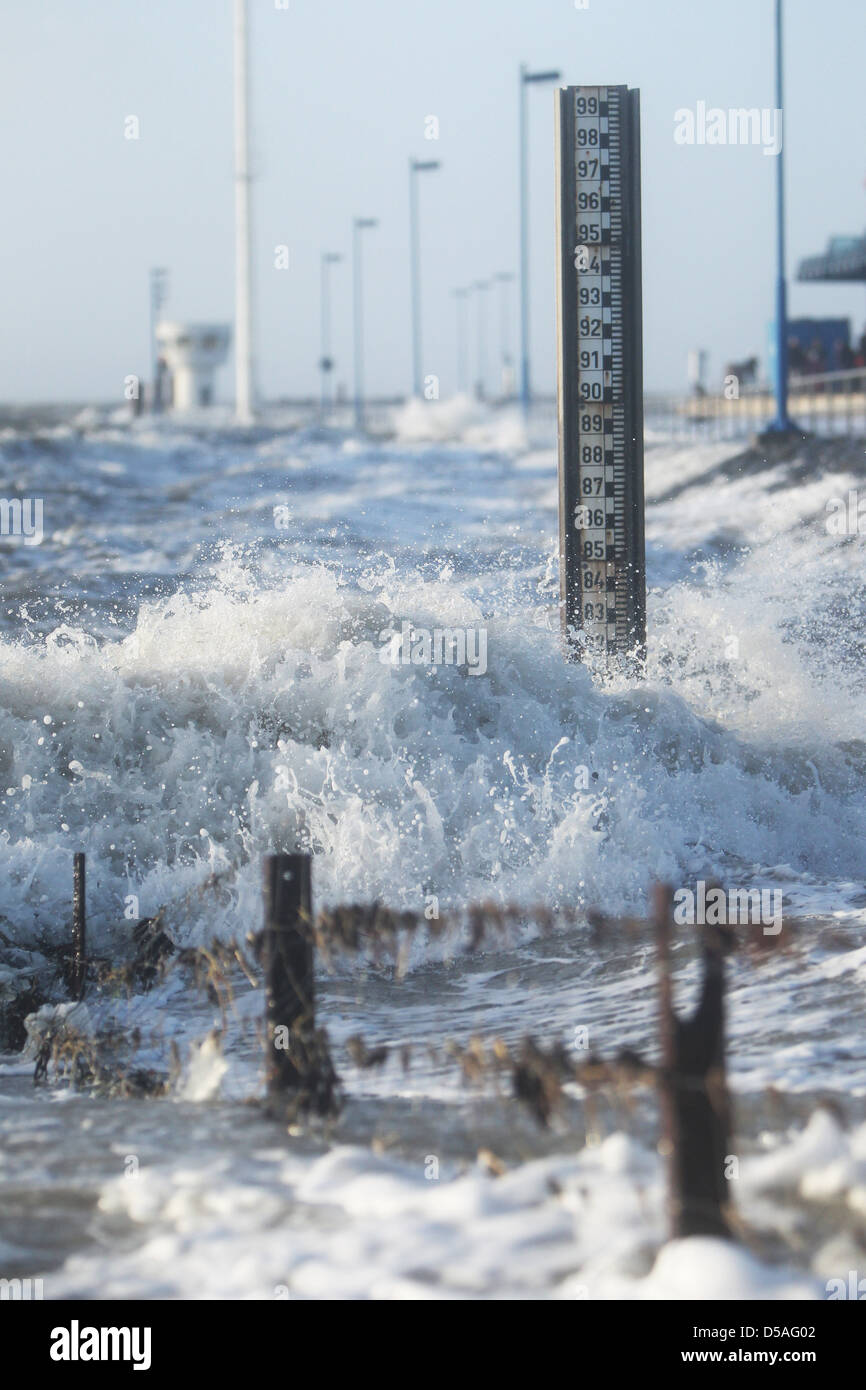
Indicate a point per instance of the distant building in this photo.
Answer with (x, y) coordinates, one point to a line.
(189, 353)
(844, 260)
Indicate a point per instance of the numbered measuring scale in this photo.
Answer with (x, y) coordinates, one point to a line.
(603, 585)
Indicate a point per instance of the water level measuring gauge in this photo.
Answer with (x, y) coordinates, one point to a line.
(600, 372)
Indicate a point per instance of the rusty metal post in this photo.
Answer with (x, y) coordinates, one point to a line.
(287, 957)
(693, 1092)
(78, 962)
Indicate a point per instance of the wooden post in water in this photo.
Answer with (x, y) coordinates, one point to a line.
(78, 963)
(287, 957)
(693, 1091)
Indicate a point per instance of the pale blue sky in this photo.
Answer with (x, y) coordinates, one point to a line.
(341, 92)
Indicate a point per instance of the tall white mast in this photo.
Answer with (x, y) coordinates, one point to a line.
(243, 309)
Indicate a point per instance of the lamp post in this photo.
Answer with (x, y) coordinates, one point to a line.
(158, 296)
(526, 79)
(243, 271)
(360, 224)
(326, 365)
(504, 278)
(782, 423)
(481, 287)
(416, 167)
(461, 297)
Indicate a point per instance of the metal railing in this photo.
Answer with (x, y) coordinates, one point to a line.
(823, 403)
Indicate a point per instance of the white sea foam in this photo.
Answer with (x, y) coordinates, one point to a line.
(185, 686)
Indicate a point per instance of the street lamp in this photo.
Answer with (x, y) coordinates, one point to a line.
(461, 297)
(244, 389)
(326, 365)
(504, 278)
(416, 166)
(782, 423)
(158, 296)
(481, 287)
(526, 78)
(360, 224)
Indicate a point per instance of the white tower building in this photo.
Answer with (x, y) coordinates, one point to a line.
(192, 352)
